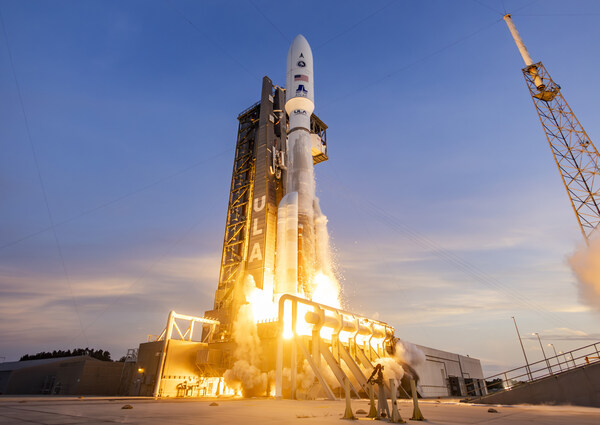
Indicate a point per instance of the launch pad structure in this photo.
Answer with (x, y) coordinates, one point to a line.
(192, 354)
(277, 327)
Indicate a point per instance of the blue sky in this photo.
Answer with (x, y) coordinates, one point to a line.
(445, 207)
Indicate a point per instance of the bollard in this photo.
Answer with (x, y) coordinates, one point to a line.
(348, 414)
(417, 415)
(372, 409)
(396, 418)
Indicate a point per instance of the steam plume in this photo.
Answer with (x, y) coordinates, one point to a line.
(585, 263)
(245, 375)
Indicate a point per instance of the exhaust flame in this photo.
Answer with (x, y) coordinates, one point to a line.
(262, 305)
(326, 290)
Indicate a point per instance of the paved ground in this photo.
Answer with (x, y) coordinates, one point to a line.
(103, 410)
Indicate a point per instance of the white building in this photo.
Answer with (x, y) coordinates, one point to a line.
(445, 374)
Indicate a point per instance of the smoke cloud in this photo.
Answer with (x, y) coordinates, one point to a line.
(245, 376)
(409, 353)
(391, 368)
(406, 357)
(585, 263)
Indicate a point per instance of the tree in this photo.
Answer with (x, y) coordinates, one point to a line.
(97, 354)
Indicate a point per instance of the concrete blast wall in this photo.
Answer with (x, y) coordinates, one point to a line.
(579, 387)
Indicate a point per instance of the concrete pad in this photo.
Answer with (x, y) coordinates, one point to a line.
(103, 410)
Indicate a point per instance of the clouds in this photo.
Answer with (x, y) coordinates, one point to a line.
(441, 163)
(102, 308)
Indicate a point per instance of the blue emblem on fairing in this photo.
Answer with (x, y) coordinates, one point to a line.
(301, 91)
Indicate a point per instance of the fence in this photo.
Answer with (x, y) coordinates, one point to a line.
(544, 368)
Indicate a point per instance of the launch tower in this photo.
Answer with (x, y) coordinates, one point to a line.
(256, 190)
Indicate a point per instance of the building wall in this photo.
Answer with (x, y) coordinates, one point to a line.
(33, 380)
(180, 365)
(442, 370)
(81, 375)
(142, 382)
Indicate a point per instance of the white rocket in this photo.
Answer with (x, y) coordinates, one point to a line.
(296, 234)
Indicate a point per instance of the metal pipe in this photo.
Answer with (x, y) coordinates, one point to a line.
(295, 299)
(337, 323)
(331, 322)
(163, 353)
(523, 348)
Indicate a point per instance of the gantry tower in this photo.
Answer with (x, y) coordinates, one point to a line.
(575, 155)
(256, 188)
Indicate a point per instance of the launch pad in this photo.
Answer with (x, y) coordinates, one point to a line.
(264, 337)
(192, 355)
(277, 327)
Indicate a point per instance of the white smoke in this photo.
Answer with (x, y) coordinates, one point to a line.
(402, 363)
(306, 378)
(585, 263)
(245, 376)
(391, 368)
(409, 353)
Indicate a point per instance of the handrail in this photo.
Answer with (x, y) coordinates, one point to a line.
(550, 366)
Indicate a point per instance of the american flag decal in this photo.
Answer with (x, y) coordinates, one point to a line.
(300, 78)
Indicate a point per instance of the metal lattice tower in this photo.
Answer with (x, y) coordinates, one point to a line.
(575, 155)
(240, 196)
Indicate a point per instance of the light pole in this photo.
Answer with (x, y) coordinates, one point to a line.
(566, 359)
(543, 352)
(556, 357)
(572, 359)
(522, 348)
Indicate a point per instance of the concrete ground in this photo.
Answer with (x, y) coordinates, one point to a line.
(104, 410)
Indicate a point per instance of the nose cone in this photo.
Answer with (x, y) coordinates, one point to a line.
(300, 49)
(300, 84)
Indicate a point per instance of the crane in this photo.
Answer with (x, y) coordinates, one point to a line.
(575, 155)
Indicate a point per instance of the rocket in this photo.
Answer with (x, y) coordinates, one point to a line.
(296, 233)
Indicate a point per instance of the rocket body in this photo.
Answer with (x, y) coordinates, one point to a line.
(296, 250)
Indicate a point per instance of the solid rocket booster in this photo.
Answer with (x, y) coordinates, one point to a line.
(296, 212)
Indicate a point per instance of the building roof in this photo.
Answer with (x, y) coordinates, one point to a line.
(9, 366)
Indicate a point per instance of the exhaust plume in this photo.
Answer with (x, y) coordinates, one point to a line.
(585, 263)
(245, 376)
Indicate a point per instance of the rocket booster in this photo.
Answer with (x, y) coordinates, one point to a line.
(296, 244)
